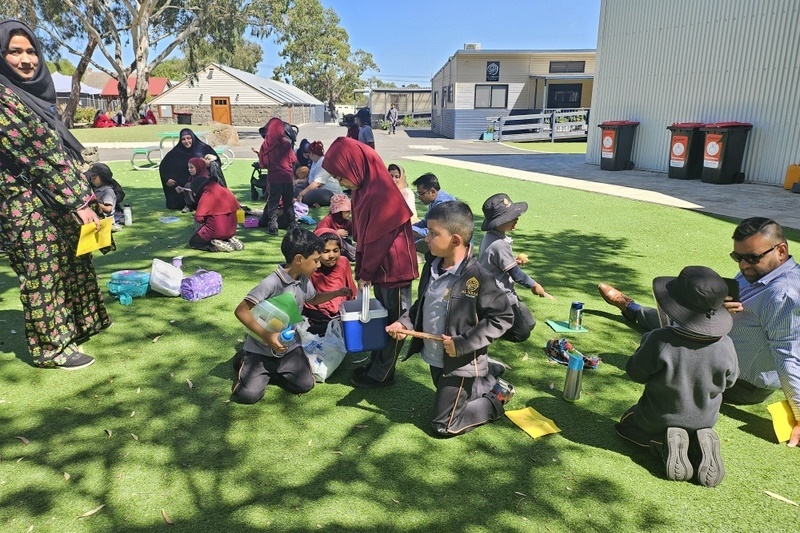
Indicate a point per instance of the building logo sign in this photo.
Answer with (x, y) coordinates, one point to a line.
(677, 154)
(713, 150)
(607, 146)
(492, 71)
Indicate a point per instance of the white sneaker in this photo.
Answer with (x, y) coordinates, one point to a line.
(236, 243)
(221, 246)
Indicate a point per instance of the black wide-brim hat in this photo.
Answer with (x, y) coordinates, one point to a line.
(99, 169)
(695, 300)
(499, 209)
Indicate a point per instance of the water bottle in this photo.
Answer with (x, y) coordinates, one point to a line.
(575, 315)
(126, 210)
(177, 261)
(572, 385)
(287, 335)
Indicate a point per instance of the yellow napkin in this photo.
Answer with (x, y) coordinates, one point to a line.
(90, 241)
(783, 421)
(533, 422)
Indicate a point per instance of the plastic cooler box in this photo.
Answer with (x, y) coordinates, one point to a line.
(363, 336)
(132, 282)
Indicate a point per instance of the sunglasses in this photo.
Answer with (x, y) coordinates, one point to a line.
(751, 259)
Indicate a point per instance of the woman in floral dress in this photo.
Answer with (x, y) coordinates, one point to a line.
(43, 199)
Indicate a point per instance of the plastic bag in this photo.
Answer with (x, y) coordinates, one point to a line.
(325, 354)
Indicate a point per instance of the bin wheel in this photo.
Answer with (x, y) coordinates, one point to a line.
(253, 193)
(738, 177)
(629, 165)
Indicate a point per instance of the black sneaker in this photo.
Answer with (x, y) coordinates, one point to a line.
(503, 391)
(496, 368)
(675, 454)
(76, 361)
(360, 370)
(272, 229)
(710, 469)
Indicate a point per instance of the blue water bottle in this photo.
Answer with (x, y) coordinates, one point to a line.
(572, 385)
(287, 335)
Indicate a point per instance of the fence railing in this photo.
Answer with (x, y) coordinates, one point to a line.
(550, 125)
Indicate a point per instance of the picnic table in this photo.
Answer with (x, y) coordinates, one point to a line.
(174, 136)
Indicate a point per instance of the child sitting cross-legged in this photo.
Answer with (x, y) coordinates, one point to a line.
(685, 369)
(333, 273)
(263, 359)
(463, 304)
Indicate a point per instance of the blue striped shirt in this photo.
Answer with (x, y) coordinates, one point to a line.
(767, 333)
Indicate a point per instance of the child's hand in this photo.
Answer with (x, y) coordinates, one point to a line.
(393, 331)
(273, 340)
(170, 182)
(362, 284)
(522, 259)
(539, 291)
(255, 150)
(342, 232)
(344, 291)
(449, 345)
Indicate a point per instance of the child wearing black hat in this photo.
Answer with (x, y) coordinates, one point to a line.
(500, 217)
(108, 192)
(685, 369)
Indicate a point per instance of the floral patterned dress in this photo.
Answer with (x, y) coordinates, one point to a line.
(61, 300)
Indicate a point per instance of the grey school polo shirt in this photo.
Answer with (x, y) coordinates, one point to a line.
(273, 285)
(496, 257)
(434, 309)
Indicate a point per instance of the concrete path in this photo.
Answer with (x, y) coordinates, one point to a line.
(563, 170)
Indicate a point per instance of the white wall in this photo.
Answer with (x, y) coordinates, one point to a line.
(665, 61)
(217, 84)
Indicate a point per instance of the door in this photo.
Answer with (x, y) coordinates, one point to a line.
(221, 109)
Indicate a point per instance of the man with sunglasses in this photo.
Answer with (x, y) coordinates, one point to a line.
(766, 317)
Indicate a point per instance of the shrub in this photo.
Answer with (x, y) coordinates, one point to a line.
(383, 125)
(85, 114)
(408, 121)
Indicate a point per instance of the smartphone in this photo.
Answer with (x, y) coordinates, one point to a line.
(733, 288)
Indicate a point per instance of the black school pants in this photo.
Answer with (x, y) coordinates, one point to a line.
(462, 404)
(279, 193)
(256, 371)
(396, 300)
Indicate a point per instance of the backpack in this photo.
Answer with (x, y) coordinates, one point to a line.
(290, 131)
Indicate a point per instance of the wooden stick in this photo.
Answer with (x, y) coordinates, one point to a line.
(420, 335)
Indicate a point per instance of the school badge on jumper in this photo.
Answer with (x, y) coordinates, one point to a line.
(472, 287)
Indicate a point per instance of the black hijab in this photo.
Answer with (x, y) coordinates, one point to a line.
(302, 160)
(175, 165)
(38, 93)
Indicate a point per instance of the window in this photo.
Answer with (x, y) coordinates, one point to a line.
(567, 66)
(434, 97)
(491, 96)
(444, 96)
(165, 111)
(449, 93)
(564, 95)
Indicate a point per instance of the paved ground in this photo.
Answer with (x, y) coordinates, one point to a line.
(736, 201)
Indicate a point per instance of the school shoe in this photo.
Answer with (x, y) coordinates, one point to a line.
(503, 391)
(272, 229)
(675, 454)
(185, 209)
(236, 243)
(221, 246)
(496, 368)
(707, 458)
(618, 299)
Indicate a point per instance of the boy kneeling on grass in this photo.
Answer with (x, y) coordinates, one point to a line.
(266, 358)
(463, 304)
(685, 369)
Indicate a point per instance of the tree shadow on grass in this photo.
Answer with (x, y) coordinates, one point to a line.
(753, 424)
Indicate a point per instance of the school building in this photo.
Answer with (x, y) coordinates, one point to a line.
(230, 96)
(476, 88)
(708, 61)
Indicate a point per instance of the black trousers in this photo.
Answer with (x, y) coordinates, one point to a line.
(278, 193)
(256, 371)
(523, 324)
(198, 243)
(396, 300)
(462, 404)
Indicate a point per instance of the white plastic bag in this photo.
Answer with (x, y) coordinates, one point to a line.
(325, 354)
(165, 278)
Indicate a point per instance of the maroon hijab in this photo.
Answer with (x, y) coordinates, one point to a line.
(378, 206)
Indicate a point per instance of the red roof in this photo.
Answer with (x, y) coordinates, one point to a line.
(156, 87)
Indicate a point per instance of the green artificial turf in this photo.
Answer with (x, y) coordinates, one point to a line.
(560, 147)
(136, 133)
(345, 459)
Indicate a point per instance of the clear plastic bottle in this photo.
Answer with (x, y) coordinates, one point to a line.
(287, 335)
(126, 211)
(572, 385)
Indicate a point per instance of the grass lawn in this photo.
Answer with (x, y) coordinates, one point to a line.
(129, 433)
(128, 134)
(561, 147)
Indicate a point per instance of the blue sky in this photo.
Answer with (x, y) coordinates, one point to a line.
(411, 39)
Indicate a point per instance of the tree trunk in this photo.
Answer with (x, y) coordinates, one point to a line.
(75, 93)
